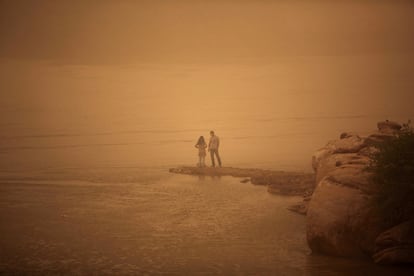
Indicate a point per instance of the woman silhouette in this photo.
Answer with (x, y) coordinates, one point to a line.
(201, 145)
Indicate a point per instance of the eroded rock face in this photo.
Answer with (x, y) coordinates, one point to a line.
(341, 219)
(395, 245)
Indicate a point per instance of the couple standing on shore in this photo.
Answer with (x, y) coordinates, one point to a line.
(213, 146)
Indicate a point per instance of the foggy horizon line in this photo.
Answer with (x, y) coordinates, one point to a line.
(110, 133)
(194, 62)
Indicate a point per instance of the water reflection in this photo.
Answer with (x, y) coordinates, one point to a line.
(203, 177)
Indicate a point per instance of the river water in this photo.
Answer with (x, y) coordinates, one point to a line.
(85, 152)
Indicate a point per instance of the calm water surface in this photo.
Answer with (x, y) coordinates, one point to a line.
(174, 225)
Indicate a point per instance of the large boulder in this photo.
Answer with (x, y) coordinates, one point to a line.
(341, 217)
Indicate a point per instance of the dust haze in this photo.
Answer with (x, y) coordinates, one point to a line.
(105, 74)
(100, 98)
(105, 32)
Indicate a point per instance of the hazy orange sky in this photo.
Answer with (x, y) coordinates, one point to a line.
(101, 32)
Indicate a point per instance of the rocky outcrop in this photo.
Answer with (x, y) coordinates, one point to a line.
(388, 127)
(286, 183)
(341, 217)
(302, 207)
(396, 245)
(277, 182)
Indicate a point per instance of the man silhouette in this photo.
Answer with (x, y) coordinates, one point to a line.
(213, 146)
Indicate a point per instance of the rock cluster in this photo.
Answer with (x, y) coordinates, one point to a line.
(341, 218)
(277, 182)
